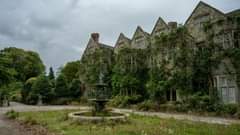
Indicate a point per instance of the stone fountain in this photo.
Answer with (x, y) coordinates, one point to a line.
(98, 96)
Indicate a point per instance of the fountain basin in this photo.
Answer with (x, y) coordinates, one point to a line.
(85, 116)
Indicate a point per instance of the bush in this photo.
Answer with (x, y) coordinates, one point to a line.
(230, 109)
(12, 114)
(124, 101)
(146, 106)
(62, 101)
(238, 113)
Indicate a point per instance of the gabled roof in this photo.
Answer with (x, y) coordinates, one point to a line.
(92, 43)
(160, 21)
(139, 29)
(201, 3)
(234, 12)
(122, 36)
(106, 46)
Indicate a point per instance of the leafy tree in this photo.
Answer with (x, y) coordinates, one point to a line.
(27, 89)
(6, 72)
(70, 70)
(61, 88)
(25, 64)
(75, 88)
(51, 75)
(41, 87)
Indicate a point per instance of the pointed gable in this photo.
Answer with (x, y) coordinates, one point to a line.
(122, 42)
(159, 27)
(140, 39)
(201, 14)
(202, 10)
(91, 46)
(94, 44)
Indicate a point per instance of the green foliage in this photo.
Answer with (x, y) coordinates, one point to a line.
(157, 85)
(27, 90)
(42, 88)
(61, 89)
(12, 114)
(230, 109)
(14, 91)
(125, 101)
(22, 64)
(70, 70)
(138, 125)
(6, 73)
(129, 72)
(17, 66)
(147, 105)
(30, 121)
(99, 61)
(51, 75)
(75, 88)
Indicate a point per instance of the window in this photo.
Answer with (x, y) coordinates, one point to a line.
(228, 90)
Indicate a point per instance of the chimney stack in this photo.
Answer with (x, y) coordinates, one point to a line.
(172, 25)
(95, 37)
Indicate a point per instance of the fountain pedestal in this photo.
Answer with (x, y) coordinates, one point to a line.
(99, 97)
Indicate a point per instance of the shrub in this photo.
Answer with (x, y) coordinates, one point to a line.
(238, 113)
(230, 109)
(12, 114)
(61, 101)
(30, 120)
(124, 101)
(146, 105)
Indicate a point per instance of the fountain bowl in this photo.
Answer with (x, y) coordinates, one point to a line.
(86, 117)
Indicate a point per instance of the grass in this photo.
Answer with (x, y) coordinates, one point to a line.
(56, 121)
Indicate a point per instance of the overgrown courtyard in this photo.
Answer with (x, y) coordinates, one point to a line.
(57, 122)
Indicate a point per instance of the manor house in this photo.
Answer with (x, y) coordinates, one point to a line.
(226, 34)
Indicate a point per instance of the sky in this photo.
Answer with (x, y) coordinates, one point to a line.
(60, 29)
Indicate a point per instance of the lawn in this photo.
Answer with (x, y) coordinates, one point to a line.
(56, 121)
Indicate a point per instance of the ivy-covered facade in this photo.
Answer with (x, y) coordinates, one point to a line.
(172, 62)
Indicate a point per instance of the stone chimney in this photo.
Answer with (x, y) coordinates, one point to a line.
(172, 25)
(95, 37)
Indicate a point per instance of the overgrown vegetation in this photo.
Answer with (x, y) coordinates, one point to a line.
(137, 125)
(23, 79)
(12, 114)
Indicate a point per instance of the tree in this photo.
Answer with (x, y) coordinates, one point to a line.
(61, 88)
(75, 88)
(41, 87)
(27, 89)
(6, 73)
(51, 74)
(70, 70)
(22, 64)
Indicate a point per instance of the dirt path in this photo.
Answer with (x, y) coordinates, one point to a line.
(8, 127)
(211, 120)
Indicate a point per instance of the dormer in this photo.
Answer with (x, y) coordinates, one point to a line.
(140, 39)
(122, 42)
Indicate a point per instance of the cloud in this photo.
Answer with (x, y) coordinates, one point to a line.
(59, 30)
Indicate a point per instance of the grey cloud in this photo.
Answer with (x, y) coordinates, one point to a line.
(59, 29)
